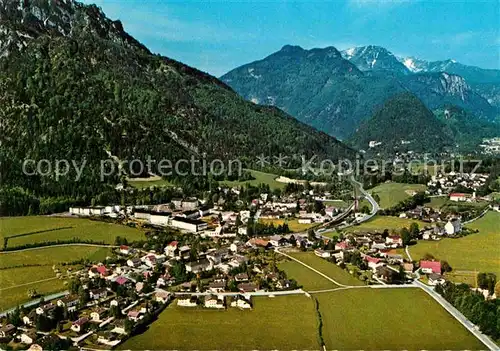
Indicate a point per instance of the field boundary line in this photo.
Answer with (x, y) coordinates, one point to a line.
(314, 270)
(35, 282)
(57, 245)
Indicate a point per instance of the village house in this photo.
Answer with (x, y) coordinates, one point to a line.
(435, 279)
(460, 197)
(213, 301)
(322, 253)
(98, 271)
(187, 301)
(429, 267)
(171, 249)
(96, 294)
(240, 301)
(29, 319)
(258, 242)
(69, 301)
(134, 262)
(241, 277)
(28, 337)
(7, 330)
(394, 241)
(453, 226)
(408, 267)
(79, 325)
(386, 274)
(217, 286)
(45, 308)
(278, 240)
(198, 266)
(343, 245)
(162, 296)
(247, 287)
(121, 280)
(373, 263)
(98, 314)
(134, 315)
(124, 249)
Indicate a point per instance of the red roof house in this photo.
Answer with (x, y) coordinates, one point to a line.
(430, 267)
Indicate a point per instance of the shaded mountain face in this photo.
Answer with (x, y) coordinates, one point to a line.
(75, 86)
(466, 130)
(374, 58)
(485, 82)
(334, 93)
(317, 86)
(402, 123)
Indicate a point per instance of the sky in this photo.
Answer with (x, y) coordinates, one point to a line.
(217, 36)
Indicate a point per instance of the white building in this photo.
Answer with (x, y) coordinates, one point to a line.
(187, 301)
(192, 225)
(453, 226)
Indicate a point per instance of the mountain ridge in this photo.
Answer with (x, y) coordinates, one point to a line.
(331, 93)
(84, 89)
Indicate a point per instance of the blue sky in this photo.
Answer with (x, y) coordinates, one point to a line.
(216, 36)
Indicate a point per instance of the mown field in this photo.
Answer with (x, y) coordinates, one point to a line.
(146, 183)
(293, 224)
(390, 319)
(392, 193)
(53, 255)
(16, 281)
(37, 229)
(475, 252)
(306, 278)
(260, 177)
(279, 323)
(14, 296)
(379, 223)
(329, 269)
(444, 203)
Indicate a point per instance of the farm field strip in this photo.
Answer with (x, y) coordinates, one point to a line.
(475, 252)
(279, 323)
(37, 229)
(358, 319)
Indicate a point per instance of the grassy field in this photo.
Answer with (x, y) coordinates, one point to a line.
(325, 267)
(392, 193)
(479, 251)
(33, 229)
(284, 323)
(15, 282)
(306, 278)
(293, 224)
(260, 177)
(390, 319)
(146, 183)
(14, 296)
(444, 203)
(53, 255)
(380, 223)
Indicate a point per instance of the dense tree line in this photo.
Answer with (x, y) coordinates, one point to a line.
(484, 313)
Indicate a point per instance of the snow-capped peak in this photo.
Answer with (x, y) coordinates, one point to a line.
(410, 64)
(349, 53)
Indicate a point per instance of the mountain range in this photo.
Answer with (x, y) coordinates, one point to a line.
(336, 91)
(76, 86)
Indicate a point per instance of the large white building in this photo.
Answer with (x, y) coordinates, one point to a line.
(192, 225)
